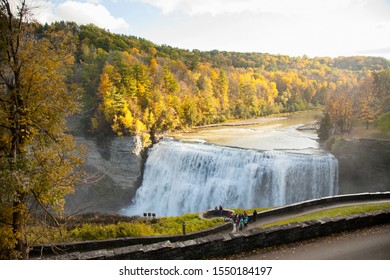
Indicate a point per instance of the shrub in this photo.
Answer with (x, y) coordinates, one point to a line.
(383, 123)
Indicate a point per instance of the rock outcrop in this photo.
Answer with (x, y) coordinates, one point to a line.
(114, 171)
(364, 165)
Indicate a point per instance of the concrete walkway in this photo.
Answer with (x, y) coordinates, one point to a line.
(260, 221)
(372, 243)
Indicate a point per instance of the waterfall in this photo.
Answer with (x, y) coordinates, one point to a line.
(184, 177)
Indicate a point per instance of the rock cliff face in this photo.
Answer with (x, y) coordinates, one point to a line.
(364, 165)
(114, 169)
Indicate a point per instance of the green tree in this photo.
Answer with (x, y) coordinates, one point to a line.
(382, 88)
(38, 162)
(325, 128)
(383, 123)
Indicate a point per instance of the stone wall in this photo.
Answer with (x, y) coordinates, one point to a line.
(226, 244)
(114, 171)
(71, 247)
(216, 242)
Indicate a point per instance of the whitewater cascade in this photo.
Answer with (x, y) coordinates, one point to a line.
(184, 177)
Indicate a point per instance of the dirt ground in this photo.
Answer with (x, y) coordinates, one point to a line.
(359, 130)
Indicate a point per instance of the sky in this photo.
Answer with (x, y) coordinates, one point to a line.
(289, 27)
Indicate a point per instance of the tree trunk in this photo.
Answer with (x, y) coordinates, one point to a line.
(18, 228)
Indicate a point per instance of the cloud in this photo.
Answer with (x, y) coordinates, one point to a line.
(83, 13)
(218, 7)
(313, 27)
(385, 52)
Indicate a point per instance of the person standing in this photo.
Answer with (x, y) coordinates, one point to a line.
(237, 220)
(241, 224)
(254, 215)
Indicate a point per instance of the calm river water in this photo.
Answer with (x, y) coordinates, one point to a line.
(273, 133)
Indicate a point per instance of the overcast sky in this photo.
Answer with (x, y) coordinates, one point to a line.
(290, 27)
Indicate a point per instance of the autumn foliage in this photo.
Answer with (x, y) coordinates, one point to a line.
(38, 159)
(133, 86)
(130, 86)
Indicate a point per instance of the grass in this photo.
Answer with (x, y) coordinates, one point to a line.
(94, 230)
(102, 227)
(248, 211)
(331, 213)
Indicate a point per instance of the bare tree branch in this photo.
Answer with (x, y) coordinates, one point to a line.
(46, 210)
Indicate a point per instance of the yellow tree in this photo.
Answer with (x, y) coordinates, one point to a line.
(115, 106)
(221, 90)
(340, 107)
(208, 104)
(249, 103)
(369, 104)
(38, 162)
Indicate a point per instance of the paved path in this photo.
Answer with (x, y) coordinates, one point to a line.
(371, 243)
(291, 214)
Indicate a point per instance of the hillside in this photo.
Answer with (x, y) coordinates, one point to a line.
(133, 86)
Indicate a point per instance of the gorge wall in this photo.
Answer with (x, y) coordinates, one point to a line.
(114, 170)
(364, 165)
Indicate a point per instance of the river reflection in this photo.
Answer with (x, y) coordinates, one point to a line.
(263, 134)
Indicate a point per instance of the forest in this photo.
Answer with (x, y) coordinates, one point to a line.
(134, 87)
(123, 85)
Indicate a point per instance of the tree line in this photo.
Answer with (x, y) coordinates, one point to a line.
(367, 99)
(134, 87)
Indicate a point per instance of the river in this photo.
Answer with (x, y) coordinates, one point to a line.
(269, 133)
